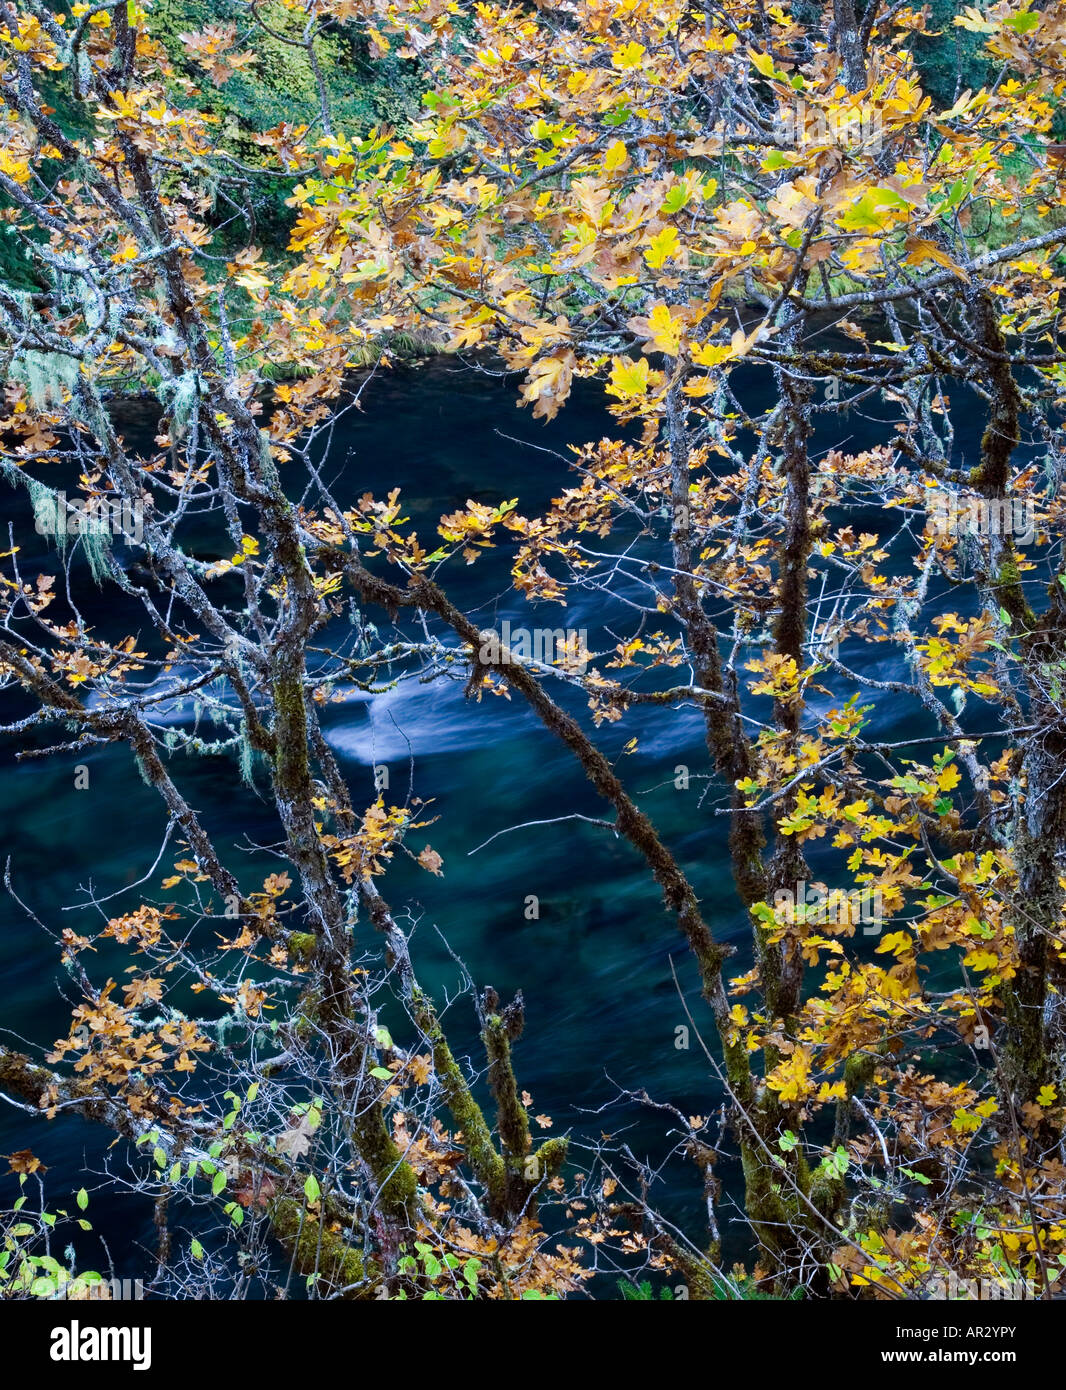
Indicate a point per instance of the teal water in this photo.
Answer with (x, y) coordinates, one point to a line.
(595, 969)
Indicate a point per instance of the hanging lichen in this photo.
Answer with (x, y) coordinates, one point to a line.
(179, 396)
(45, 502)
(247, 755)
(49, 377)
(51, 517)
(97, 546)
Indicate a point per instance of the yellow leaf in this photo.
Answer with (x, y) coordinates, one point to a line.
(711, 354)
(981, 960)
(629, 379)
(548, 385)
(762, 63)
(629, 57)
(896, 942)
(663, 247)
(959, 107)
(666, 331)
(919, 250)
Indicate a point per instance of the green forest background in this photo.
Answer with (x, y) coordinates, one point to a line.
(365, 91)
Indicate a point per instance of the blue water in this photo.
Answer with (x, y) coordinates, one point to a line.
(595, 969)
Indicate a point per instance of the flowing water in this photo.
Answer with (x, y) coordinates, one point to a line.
(596, 968)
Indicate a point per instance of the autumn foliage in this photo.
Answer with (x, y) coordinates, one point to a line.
(656, 197)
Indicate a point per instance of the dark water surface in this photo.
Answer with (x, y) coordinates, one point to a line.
(595, 969)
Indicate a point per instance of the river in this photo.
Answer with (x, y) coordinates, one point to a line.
(602, 1009)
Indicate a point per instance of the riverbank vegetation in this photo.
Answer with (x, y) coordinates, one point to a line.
(664, 201)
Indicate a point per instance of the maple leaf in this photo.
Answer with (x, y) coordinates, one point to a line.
(919, 250)
(296, 1140)
(24, 1162)
(664, 246)
(431, 860)
(629, 57)
(897, 943)
(143, 990)
(873, 210)
(632, 379)
(665, 330)
(548, 385)
(790, 1079)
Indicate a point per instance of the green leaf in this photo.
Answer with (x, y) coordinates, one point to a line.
(312, 1191)
(676, 199)
(218, 1182)
(82, 1198)
(960, 189)
(1022, 23)
(381, 1073)
(197, 1250)
(916, 1177)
